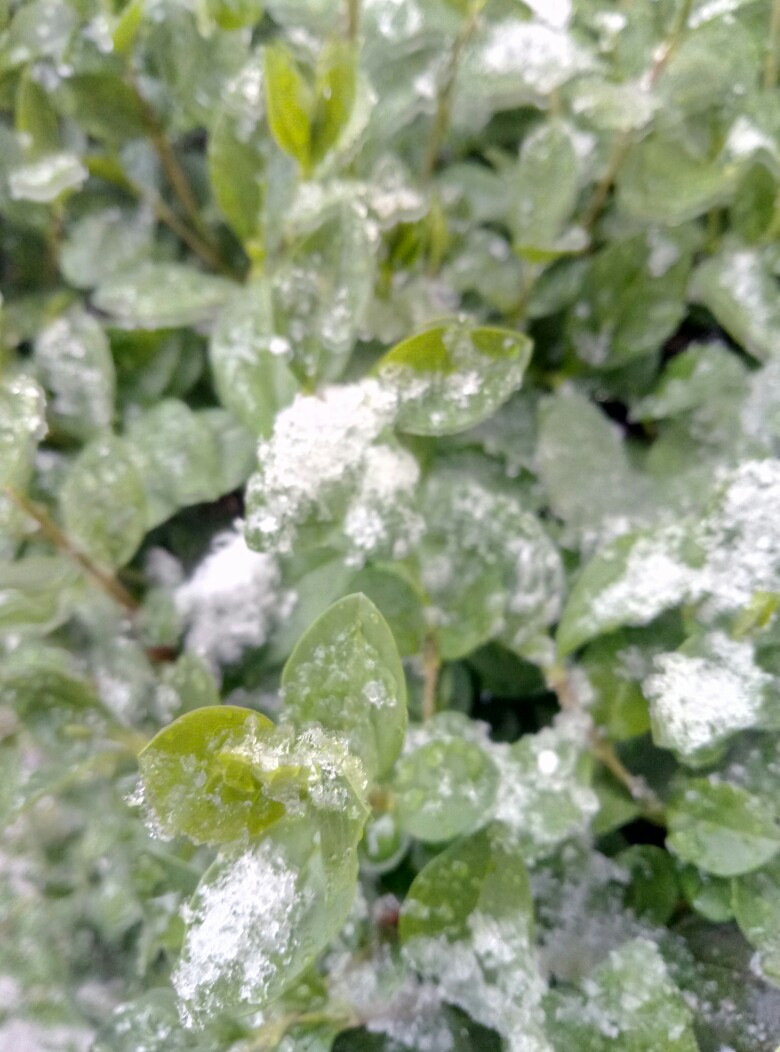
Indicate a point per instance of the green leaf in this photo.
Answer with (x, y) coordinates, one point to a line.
(289, 103)
(103, 502)
(703, 375)
(544, 192)
(345, 674)
(335, 87)
(398, 600)
(261, 915)
(653, 892)
(76, 368)
(721, 828)
(756, 901)
(630, 582)
(185, 685)
(574, 435)
(104, 105)
(197, 780)
(739, 289)
(452, 377)
(631, 297)
(35, 115)
(709, 896)
(544, 795)
(235, 14)
(101, 244)
(704, 693)
(445, 783)
(487, 566)
(237, 152)
(250, 362)
(615, 667)
(22, 426)
(47, 178)
(632, 1004)
(34, 592)
(661, 182)
(322, 292)
(177, 455)
(161, 295)
(467, 924)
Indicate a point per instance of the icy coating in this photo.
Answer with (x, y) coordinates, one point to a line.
(700, 700)
(316, 458)
(241, 927)
(233, 600)
(543, 793)
(492, 974)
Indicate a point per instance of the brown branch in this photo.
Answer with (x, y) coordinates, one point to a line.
(61, 541)
(771, 62)
(624, 141)
(559, 681)
(447, 88)
(431, 669)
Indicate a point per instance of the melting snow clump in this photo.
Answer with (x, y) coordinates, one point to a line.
(699, 700)
(233, 600)
(240, 928)
(316, 457)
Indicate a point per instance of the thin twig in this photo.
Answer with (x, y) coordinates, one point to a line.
(559, 681)
(771, 62)
(174, 172)
(60, 540)
(431, 669)
(353, 19)
(447, 88)
(625, 139)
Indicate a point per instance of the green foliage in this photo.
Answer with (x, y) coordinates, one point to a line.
(389, 525)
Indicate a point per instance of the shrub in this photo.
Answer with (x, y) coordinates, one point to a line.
(390, 525)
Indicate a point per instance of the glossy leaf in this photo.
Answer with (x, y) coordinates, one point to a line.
(740, 291)
(466, 911)
(261, 915)
(250, 362)
(722, 829)
(345, 675)
(103, 502)
(197, 782)
(452, 377)
(76, 368)
(445, 784)
(161, 295)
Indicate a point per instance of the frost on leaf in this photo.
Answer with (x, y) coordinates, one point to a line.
(631, 1003)
(742, 538)
(74, 359)
(487, 565)
(699, 697)
(452, 377)
(467, 925)
(258, 919)
(233, 600)
(315, 469)
(544, 796)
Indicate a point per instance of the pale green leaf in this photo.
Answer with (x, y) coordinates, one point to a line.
(250, 363)
(161, 295)
(76, 369)
(103, 502)
(345, 674)
(721, 828)
(454, 376)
